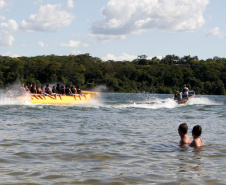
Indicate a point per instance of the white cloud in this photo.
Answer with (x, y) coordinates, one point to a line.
(72, 44)
(7, 30)
(2, 18)
(216, 31)
(106, 38)
(42, 44)
(2, 3)
(38, 2)
(125, 56)
(50, 18)
(70, 4)
(76, 52)
(85, 45)
(134, 16)
(10, 54)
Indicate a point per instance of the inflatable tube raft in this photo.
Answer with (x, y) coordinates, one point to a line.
(85, 97)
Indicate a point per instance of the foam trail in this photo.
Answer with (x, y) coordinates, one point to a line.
(14, 95)
(155, 103)
(168, 103)
(202, 101)
(93, 103)
(5, 100)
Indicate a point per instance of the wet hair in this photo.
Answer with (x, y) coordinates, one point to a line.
(183, 128)
(197, 130)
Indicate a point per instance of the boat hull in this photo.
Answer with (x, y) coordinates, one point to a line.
(183, 101)
(191, 94)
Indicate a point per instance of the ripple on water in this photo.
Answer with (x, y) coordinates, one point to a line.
(125, 139)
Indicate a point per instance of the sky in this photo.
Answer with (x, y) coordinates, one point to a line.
(113, 29)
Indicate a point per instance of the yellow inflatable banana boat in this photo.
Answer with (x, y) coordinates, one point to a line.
(85, 97)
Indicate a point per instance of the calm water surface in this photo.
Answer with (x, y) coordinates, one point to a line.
(119, 139)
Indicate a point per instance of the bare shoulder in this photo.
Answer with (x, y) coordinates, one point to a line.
(196, 143)
(201, 142)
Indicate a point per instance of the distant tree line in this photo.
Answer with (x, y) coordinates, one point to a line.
(141, 75)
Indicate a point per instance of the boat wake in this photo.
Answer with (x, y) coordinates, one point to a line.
(202, 101)
(13, 96)
(144, 103)
(150, 104)
(166, 103)
(4, 100)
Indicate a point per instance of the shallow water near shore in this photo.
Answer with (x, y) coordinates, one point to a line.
(117, 139)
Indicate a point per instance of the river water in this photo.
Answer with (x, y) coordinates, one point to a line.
(115, 140)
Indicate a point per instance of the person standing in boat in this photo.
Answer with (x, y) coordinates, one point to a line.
(185, 91)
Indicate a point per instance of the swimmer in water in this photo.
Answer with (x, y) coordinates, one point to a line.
(182, 131)
(196, 133)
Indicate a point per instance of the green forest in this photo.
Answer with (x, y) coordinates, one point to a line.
(163, 76)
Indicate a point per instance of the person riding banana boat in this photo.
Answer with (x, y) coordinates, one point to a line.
(56, 95)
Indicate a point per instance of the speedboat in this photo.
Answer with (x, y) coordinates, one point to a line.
(182, 100)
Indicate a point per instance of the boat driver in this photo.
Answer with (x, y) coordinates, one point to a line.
(185, 91)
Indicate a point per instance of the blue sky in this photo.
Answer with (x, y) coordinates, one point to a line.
(113, 29)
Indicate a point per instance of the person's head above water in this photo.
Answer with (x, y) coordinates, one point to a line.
(182, 131)
(197, 131)
(183, 128)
